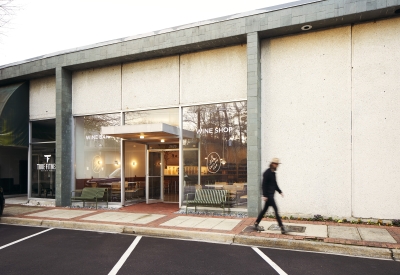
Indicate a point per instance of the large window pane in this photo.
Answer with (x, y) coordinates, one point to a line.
(221, 134)
(167, 116)
(98, 159)
(135, 165)
(43, 159)
(43, 170)
(44, 130)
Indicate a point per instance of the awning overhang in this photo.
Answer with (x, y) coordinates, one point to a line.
(150, 132)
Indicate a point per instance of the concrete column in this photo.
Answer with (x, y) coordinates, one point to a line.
(253, 124)
(64, 136)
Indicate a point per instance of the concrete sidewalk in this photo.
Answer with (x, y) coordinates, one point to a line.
(163, 221)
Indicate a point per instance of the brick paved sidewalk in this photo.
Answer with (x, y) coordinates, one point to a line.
(164, 216)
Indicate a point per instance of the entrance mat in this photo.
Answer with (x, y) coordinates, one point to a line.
(288, 228)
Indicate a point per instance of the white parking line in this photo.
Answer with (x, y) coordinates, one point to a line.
(269, 261)
(23, 239)
(122, 260)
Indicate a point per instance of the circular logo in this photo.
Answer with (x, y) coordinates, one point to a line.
(213, 162)
(96, 164)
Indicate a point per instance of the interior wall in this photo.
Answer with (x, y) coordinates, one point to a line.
(96, 90)
(150, 84)
(135, 152)
(306, 119)
(376, 119)
(214, 75)
(42, 98)
(9, 162)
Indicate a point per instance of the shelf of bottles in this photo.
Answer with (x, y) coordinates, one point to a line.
(189, 170)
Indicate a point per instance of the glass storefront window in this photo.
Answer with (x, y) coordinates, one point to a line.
(221, 135)
(167, 116)
(135, 166)
(44, 130)
(165, 187)
(98, 158)
(43, 159)
(43, 170)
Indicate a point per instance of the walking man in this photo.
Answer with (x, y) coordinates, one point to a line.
(269, 186)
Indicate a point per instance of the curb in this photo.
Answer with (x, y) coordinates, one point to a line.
(19, 221)
(84, 226)
(181, 234)
(312, 246)
(396, 254)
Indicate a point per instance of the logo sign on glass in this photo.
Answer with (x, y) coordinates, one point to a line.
(214, 130)
(213, 162)
(47, 165)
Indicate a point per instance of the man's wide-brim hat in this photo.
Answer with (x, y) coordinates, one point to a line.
(275, 160)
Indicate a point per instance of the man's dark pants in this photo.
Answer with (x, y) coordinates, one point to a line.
(268, 203)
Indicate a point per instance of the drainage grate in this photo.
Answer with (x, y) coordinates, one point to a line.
(288, 228)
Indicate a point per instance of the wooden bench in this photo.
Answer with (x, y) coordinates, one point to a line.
(207, 197)
(94, 194)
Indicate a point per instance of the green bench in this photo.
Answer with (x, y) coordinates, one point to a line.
(207, 197)
(93, 194)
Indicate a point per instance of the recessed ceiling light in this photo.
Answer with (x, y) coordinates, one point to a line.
(306, 28)
(163, 140)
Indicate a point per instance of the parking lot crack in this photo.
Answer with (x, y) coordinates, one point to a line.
(391, 254)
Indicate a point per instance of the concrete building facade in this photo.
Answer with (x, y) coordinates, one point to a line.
(315, 83)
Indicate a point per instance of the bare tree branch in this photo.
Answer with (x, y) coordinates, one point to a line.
(7, 12)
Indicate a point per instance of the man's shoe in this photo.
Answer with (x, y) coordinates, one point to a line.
(283, 230)
(258, 227)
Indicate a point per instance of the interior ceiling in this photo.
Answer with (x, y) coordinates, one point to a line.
(150, 133)
(150, 137)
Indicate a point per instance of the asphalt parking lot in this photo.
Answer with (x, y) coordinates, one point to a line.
(38, 250)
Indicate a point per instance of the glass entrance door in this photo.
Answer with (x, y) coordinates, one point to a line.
(154, 181)
(171, 176)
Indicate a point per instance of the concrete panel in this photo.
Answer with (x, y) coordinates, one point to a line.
(176, 221)
(209, 223)
(376, 235)
(227, 224)
(306, 120)
(376, 119)
(344, 232)
(148, 218)
(42, 98)
(215, 75)
(137, 218)
(150, 84)
(312, 230)
(19, 210)
(60, 214)
(96, 90)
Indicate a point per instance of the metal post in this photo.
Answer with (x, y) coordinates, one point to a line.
(30, 161)
(181, 168)
(122, 153)
(122, 162)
